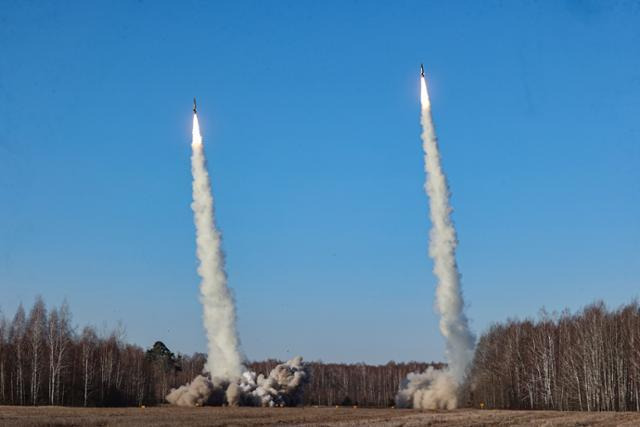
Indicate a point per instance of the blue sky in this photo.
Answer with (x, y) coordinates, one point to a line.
(310, 118)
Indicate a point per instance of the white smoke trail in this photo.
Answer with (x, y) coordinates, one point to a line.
(224, 359)
(438, 389)
(223, 380)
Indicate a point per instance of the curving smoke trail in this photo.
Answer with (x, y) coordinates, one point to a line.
(438, 389)
(224, 359)
(223, 380)
(442, 248)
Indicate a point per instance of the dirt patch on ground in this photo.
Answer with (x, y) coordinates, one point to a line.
(308, 416)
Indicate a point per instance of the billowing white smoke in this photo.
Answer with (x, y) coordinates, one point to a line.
(198, 392)
(430, 389)
(438, 389)
(283, 387)
(224, 358)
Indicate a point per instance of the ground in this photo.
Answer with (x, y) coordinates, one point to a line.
(308, 416)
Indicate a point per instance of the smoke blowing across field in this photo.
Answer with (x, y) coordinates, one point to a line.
(438, 389)
(223, 380)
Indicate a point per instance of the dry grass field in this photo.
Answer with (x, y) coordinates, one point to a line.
(210, 416)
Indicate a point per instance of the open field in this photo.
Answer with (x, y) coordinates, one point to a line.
(210, 416)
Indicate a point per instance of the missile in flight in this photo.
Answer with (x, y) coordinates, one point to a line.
(195, 111)
(421, 75)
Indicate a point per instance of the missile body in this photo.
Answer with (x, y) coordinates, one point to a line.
(421, 73)
(195, 111)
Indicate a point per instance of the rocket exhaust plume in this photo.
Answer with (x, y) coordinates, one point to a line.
(223, 379)
(224, 357)
(438, 389)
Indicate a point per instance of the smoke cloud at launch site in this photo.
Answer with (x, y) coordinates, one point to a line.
(282, 387)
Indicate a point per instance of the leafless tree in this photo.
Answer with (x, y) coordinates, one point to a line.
(58, 338)
(88, 344)
(36, 330)
(3, 356)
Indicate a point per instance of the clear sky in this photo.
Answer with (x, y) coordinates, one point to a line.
(310, 117)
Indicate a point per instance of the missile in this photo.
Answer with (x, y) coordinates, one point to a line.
(195, 111)
(421, 73)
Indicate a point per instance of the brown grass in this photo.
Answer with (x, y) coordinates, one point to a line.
(210, 416)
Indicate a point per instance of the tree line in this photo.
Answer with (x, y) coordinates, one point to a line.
(45, 360)
(588, 361)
